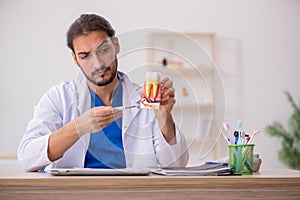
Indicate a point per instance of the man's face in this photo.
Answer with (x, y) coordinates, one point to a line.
(95, 54)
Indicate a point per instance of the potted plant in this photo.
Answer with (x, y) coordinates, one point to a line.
(290, 151)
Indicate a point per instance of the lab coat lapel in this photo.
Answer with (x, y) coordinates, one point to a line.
(83, 94)
(82, 102)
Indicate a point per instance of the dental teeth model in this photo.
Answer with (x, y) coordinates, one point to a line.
(151, 91)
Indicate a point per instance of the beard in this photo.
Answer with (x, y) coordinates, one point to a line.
(104, 68)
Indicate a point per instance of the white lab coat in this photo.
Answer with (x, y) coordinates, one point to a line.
(144, 144)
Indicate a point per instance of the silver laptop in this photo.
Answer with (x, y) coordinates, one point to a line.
(98, 172)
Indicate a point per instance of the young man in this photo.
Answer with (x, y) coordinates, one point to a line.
(77, 124)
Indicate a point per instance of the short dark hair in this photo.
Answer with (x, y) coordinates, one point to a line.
(85, 24)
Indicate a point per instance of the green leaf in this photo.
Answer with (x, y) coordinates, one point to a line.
(291, 100)
(294, 124)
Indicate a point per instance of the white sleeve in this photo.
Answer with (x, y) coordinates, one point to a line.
(175, 155)
(47, 118)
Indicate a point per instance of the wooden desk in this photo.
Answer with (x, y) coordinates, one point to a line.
(268, 184)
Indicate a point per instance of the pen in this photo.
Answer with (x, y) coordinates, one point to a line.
(225, 164)
(247, 139)
(236, 136)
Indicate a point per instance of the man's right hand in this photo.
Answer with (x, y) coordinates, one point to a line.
(96, 119)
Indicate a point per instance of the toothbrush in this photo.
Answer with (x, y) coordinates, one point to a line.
(226, 127)
(255, 133)
(239, 139)
(239, 148)
(227, 139)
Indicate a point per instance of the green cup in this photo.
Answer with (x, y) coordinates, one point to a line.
(241, 158)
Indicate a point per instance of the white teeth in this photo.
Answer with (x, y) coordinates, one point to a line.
(152, 81)
(148, 77)
(156, 77)
(153, 77)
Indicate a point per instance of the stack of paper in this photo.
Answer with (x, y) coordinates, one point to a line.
(218, 169)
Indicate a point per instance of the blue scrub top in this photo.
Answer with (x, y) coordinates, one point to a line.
(106, 147)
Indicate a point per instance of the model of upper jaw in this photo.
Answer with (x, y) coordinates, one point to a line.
(152, 83)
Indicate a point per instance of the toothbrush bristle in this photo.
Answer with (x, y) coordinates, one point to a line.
(239, 124)
(226, 126)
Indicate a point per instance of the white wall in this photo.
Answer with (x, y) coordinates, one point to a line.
(34, 55)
